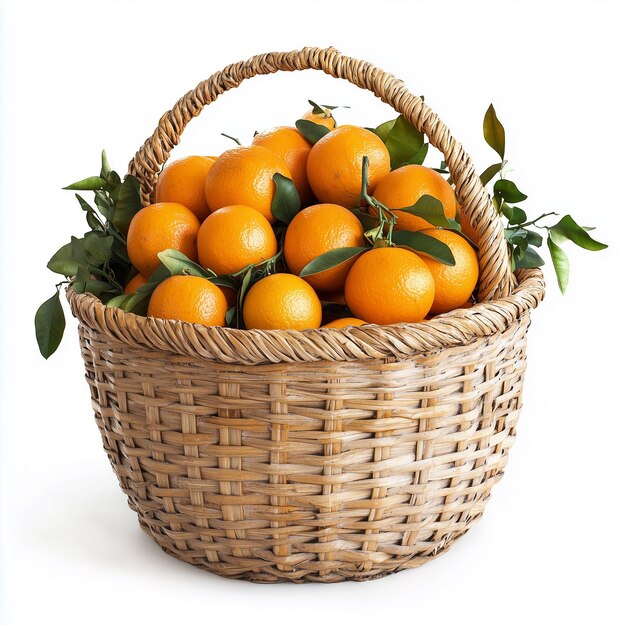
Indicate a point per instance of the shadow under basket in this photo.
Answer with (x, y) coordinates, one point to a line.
(323, 455)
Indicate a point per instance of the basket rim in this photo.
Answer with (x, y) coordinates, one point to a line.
(249, 347)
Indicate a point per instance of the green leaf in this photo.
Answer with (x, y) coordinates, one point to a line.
(569, 229)
(120, 302)
(330, 259)
(96, 287)
(177, 263)
(383, 130)
(286, 201)
(404, 142)
(493, 132)
(230, 315)
(534, 239)
(420, 156)
(515, 235)
(489, 173)
(114, 181)
(530, 259)
(62, 261)
(508, 191)
(105, 170)
(225, 281)
(560, 262)
(424, 244)
(49, 325)
(104, 204)
(311, 131)
(97, 249)
(517, 216)
(317, 109)
(243, 290)
(90, 213)
(367, 221)
(127, 204)
(88, 184)
(428, 208)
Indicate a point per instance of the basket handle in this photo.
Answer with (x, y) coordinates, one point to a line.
(496, 278)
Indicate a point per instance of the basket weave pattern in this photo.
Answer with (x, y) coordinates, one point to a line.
(322, 455)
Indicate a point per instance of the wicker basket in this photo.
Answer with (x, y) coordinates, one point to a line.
(323, 455)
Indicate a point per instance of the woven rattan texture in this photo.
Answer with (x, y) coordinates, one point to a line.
(319, 471)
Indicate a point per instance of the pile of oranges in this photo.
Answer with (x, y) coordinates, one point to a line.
(218, 212)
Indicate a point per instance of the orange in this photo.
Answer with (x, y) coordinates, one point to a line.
(390, 285)
(293, 148)
(404, 186)
(234, 237)
(335, 164)
(158, 227)
(182, 181)
(282, 301)
(318, 229)
(323, 119)
(344, 322)
(190, 299)
(134, 283)
(454, 284)
(243, 175)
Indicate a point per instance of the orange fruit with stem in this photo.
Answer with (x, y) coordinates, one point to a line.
(318, 229)
(189, 299)
(454, 284)
(158, 227)
(182, 181)
(289, 144)
(344, 322)
(335, 164)
(405, 186)
(323, 119)
(234, 237)
(388, 285)
(244, 175)
(282, 301)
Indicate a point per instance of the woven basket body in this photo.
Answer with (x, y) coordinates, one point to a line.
(322, 455)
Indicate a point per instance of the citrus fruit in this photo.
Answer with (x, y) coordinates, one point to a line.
(190, 299)
(390, 285)
(344, 322)
(234, 237)
(404, 186)
(293, 148)
(319, 229)
(243, 175)
(454, 284)
(282, 301)
(134, 283)
(323, 119)
(182, 181)
(336, 160)
(158, 227)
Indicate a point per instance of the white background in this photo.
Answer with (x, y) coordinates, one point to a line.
(77, 77)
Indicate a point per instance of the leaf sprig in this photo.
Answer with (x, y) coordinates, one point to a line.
(522, 240)
(98, 261)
